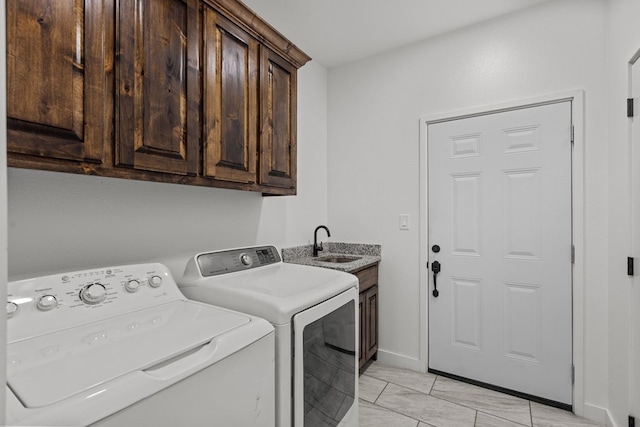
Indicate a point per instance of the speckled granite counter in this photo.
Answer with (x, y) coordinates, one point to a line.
(367, 255)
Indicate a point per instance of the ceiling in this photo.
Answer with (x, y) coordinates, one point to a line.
(334, 32)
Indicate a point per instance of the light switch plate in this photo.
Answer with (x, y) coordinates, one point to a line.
(405, 221)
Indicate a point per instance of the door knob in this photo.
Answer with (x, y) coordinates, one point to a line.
(435, 267)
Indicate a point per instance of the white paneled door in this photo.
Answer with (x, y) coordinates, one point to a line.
(500, 233)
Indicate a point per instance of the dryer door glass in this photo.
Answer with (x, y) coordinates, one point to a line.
(329, 353)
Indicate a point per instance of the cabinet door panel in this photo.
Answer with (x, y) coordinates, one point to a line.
(58, 60)
(278, 121)
(230, 100)
(371, 301)
(158, 93)
(363, 323)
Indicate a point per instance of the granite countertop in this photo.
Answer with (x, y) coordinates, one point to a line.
(367, 254)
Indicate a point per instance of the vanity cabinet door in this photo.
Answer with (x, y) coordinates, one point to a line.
(368, 285)
(230, 101)
(371, 326)
(157, 117)
(59, 60)
(277, 121)
(363, 336)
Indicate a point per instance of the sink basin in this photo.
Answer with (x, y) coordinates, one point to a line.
(338, 259)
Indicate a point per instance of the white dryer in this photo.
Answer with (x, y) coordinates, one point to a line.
(121, 346)
(314, 312)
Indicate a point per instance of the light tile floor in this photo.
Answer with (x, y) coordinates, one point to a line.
(391, 397)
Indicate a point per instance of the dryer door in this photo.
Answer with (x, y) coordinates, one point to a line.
(326, 362)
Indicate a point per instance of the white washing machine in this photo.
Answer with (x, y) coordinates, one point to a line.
(314, 312)
(121, 346)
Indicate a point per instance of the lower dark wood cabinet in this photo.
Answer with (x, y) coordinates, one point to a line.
(368, 279)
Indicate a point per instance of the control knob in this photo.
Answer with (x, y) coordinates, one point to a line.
(132, 285)
(155, 281)
(245, 259)
(12, 309)
(47, 302)
(93, 294)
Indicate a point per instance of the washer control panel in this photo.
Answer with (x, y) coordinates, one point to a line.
(230, 261)
(49, 303)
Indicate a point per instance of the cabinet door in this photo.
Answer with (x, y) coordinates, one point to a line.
(371, 302)
(230, 101)
(158, 91)
(363, 334)
(278, 121)
(58, 61)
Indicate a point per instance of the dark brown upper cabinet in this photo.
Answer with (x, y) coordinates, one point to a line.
(158, 92)
(196, 92)
(230, 101)
(59, 56)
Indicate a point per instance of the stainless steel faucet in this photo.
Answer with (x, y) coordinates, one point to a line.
(318, 247)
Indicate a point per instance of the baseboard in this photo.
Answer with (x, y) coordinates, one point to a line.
(609, 422)
(400, 361)
(598, 414)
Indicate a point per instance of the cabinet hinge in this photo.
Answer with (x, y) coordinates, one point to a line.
(629, 107)
(573, 254)
(573, 134)
(630, 266)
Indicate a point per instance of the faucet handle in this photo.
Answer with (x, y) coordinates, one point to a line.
(317, 247)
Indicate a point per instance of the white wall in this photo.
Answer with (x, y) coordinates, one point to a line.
(624, 41)
(373, 152)
(61, 222)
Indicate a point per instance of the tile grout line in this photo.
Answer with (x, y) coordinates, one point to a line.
(455, 403)
(433, 384)
(380, 394)
(418, 391)
(404, 386)
(435, 397)
(478, 410)
(418, 421)
(503, 419)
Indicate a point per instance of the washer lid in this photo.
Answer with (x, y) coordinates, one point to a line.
(44, 370)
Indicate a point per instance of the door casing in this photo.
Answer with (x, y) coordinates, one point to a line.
(578, 221)
(634, 211)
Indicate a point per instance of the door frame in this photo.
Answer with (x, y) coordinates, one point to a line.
(634, 203)
(577, 229)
